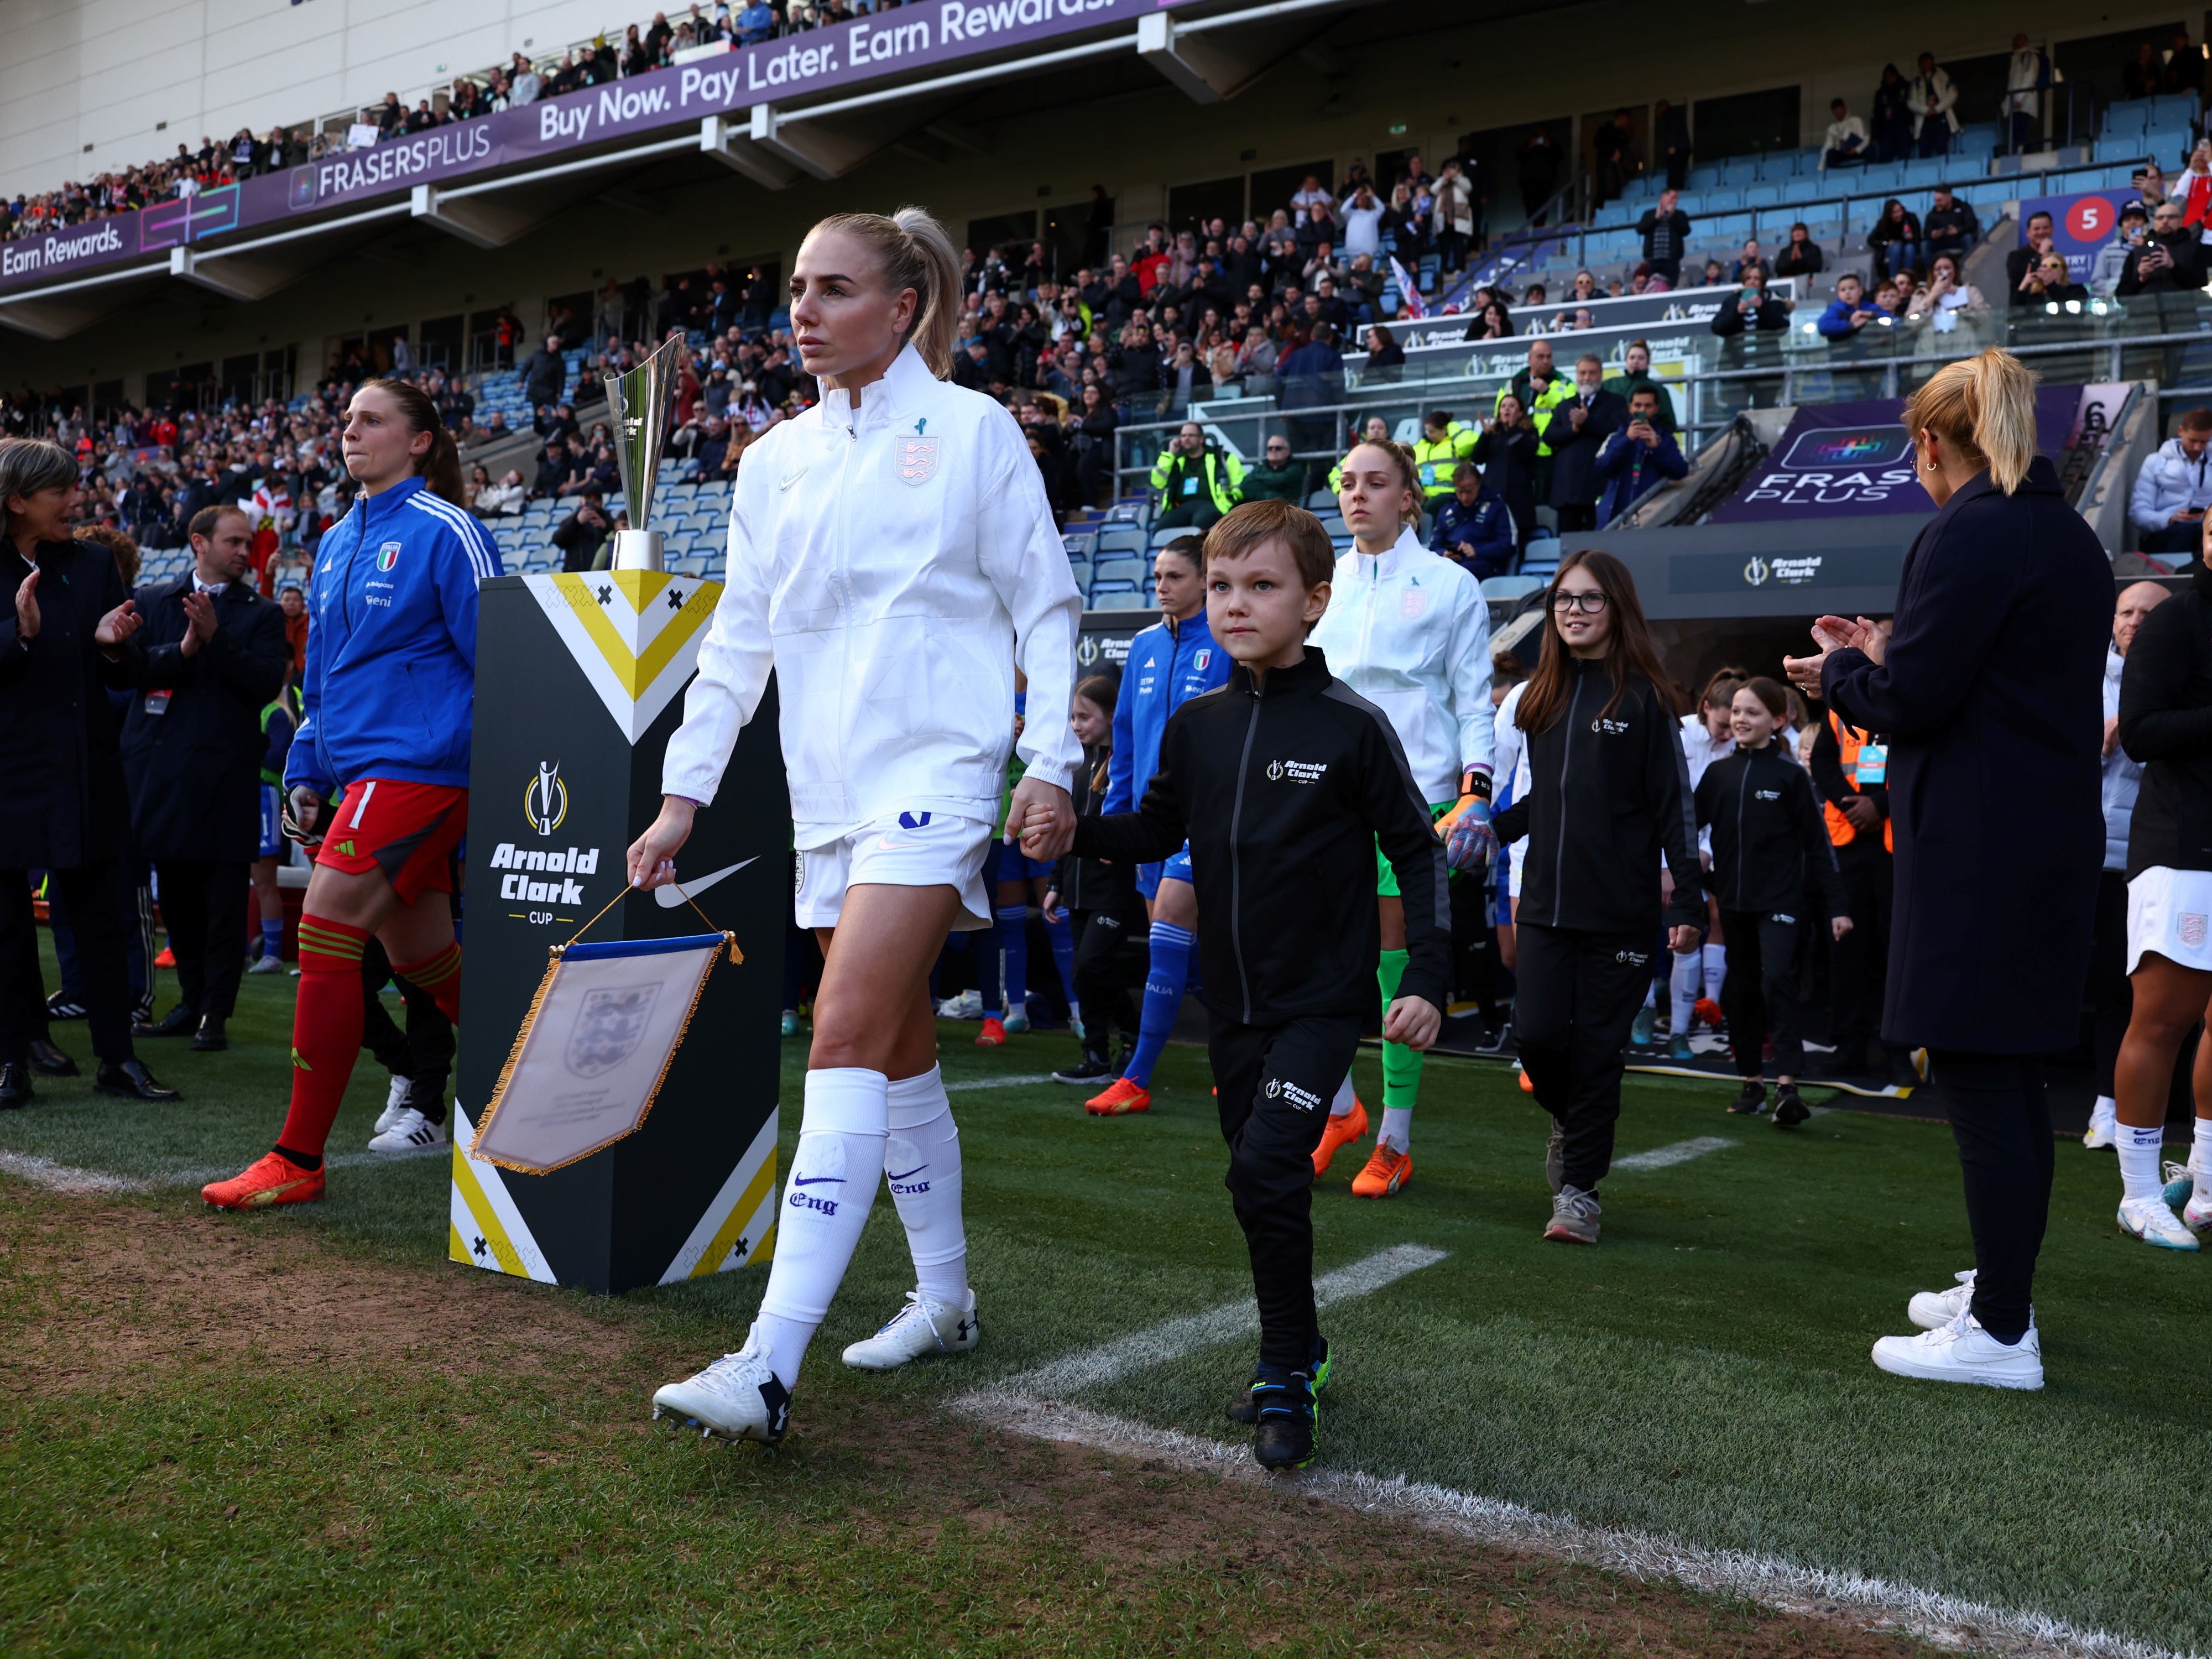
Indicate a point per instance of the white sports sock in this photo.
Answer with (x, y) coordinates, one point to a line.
(1715, 961)
(2200, 1150)
(1682, 980)
(1346, 1098)
(2139, 1150)
(1397, 1127)
(922, 1161)
(834, 1173)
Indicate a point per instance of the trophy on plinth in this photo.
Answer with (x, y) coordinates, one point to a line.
(639, 400)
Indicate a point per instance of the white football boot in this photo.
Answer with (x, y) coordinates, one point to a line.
(2154, 1222)
(925, 1326)
(736, 1398)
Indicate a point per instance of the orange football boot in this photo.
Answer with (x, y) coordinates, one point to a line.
(993, 1033)
(1352, 1126)
(1386, 1172)
(272, 1178)
(1119, 1100)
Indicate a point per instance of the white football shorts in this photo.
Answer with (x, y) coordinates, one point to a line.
(2170, 911)
(909, 849)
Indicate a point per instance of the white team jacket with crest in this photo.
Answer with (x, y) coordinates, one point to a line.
(893, 567)
(1409, 630)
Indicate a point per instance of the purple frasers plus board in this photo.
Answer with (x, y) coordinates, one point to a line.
(932, 34)
(1836, 460)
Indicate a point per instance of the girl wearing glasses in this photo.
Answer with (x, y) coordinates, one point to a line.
(1608, 797)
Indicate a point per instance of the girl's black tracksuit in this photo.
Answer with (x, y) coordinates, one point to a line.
(1285, 789)
(1110, 922)
(1768, 838)
(1608, 798)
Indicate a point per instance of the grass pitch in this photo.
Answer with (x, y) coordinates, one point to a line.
(306, 1431)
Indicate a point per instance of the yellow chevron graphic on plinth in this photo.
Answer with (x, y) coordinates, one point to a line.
(635, 634)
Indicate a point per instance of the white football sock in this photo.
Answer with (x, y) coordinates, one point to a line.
(834, 1173)
(2139, 1150)
(1715, 963)
(922, 1161)
(1397, 1127)
(1346, 1098)
(1682, 980)
(2200, 1150)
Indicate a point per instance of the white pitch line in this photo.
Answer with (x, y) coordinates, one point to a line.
(66, 1178)
(1852, 1598)
(1104, 1363)
(1663, 1157)
(999, 1082)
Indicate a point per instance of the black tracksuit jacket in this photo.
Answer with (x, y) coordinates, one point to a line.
(2165, 724)
(1283, 790)
(1608, 796)
(1768, 833)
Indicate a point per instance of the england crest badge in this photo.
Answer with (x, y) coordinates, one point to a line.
(915, 462)
(609, 1028)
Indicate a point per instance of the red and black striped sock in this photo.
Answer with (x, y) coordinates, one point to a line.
(438, 974)
(326, 1026)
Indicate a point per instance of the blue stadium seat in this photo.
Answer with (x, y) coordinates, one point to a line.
(1080, 569)
(1122, 538)
(1740, 172)
(2169, 146)
(1120, 569)
(1702, 177)
(1120, 599)
(1509, 587)
(2130, 116)
(1721, 201)
(1759, 196)
(1162, 538)
(1078, 543)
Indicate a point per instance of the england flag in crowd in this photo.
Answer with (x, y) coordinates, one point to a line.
(1410, 304)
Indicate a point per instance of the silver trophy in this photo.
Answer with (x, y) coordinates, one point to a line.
(639, 400)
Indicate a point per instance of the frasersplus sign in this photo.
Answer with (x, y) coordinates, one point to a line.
(914, 36)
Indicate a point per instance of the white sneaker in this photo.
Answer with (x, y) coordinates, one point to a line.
(2103, 1133)
(1962, 1351)
(395, 1103)
(2151, 1220)
(924, 1326)
(1931, 1309)
(265, 964)
(968, 1005)
(737, 1398)
(411, 1132)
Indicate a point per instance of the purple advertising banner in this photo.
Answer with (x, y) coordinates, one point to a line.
(2079, 224)
(914, 36)
(1836, 460)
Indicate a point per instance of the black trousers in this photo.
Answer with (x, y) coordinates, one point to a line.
(2173, 538)
(2110, 996)
(1113, 950)
(1760, 995)
(203, 902)
(2001, 1118)
(1578, 995)
(95, 907)
(1274, 1082)
(1859, 970)
(424, 1051)
(1197, 513)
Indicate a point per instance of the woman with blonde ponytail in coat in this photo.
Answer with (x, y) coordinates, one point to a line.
(892, 558)
(1989, 696)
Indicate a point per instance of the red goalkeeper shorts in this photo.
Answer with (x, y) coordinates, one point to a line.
(408, 830)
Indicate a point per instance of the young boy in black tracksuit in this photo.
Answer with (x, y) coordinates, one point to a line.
(1285, 781)
(1767, 837)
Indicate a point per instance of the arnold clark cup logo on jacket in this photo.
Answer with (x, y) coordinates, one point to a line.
(1296, 771)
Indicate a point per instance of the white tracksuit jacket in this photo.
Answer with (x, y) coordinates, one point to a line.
(893, 570)
(1409, 631)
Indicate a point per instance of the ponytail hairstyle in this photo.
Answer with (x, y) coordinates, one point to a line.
(1409, 475)
(916, 253)
(1629, 649)
(438, 466)
(1984, 407)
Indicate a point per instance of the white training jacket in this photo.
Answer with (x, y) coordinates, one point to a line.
(893, 570)
(1409, 631)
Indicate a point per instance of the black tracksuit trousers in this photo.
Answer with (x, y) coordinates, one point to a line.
(1760, 995)
(1112, 951)
(1276, 1083)
(2001, 1117)
(1579, 992)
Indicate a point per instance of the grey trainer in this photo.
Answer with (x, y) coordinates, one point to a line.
(1574, 1216)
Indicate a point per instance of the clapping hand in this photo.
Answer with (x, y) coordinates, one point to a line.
(117, 625)
(199, 612)
(27, 608)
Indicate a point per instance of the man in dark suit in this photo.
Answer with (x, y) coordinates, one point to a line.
(214, 655)
(1579, 427)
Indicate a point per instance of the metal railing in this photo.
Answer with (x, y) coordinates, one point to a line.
(1709, 394)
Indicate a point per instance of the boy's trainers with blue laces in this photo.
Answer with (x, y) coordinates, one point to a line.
(1245, 1408)
(1289, 1432)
